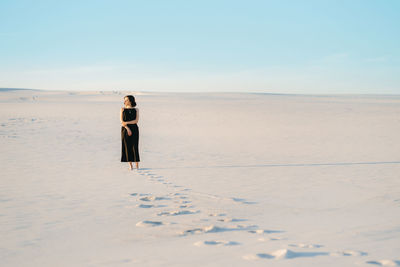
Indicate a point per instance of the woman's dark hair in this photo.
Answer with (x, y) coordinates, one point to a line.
(132, 100)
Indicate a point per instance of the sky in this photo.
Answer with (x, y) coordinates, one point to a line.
(308, 47)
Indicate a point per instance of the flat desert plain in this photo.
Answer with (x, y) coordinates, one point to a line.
(225, 179)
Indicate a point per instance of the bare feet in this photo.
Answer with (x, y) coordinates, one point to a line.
(130, 166)
(137, 165)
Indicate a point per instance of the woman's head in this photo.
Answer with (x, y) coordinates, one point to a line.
(129, 100)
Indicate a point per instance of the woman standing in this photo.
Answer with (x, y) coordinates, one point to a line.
(129, 118)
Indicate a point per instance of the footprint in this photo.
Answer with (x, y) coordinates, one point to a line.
(253, 257)
(385, 262)
(301, 245)
(186, 206)
(349, 253)
(242, 200)
(217, 214)
(183, 201)
(284, 254)
(262, 239)
(216, 243)
(146, 198)
(149, 223)
(216, 229)
(147, 206)
(146, 173)
(134, 194)
(232, 220)
(153, 198)
(177, 212)
(260, 231)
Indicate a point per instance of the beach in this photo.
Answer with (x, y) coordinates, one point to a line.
(225, 179)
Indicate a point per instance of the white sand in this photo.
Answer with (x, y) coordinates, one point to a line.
(226, 180)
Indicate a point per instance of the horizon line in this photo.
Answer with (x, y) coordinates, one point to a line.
(2, 89)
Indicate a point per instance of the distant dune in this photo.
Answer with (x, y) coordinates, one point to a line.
(20, 89)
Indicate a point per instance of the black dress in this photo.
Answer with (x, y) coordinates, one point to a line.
(130, 144)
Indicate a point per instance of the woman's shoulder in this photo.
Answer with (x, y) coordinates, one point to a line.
(122, 109)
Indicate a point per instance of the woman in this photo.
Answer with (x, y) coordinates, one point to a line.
(129, 117)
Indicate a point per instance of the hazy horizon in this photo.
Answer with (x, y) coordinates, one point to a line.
(200, 92)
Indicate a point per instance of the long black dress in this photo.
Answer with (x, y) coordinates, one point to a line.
(130, 144)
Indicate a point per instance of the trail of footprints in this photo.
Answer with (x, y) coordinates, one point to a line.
(183, 206)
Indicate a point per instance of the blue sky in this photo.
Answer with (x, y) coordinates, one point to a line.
(312, 47)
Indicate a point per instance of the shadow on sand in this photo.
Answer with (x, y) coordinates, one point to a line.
(283, 165)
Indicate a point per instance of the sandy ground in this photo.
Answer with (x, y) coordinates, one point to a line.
(225, 180)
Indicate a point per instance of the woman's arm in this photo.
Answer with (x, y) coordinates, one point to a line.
(135, 120)
(120, 115)
(123, 122)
